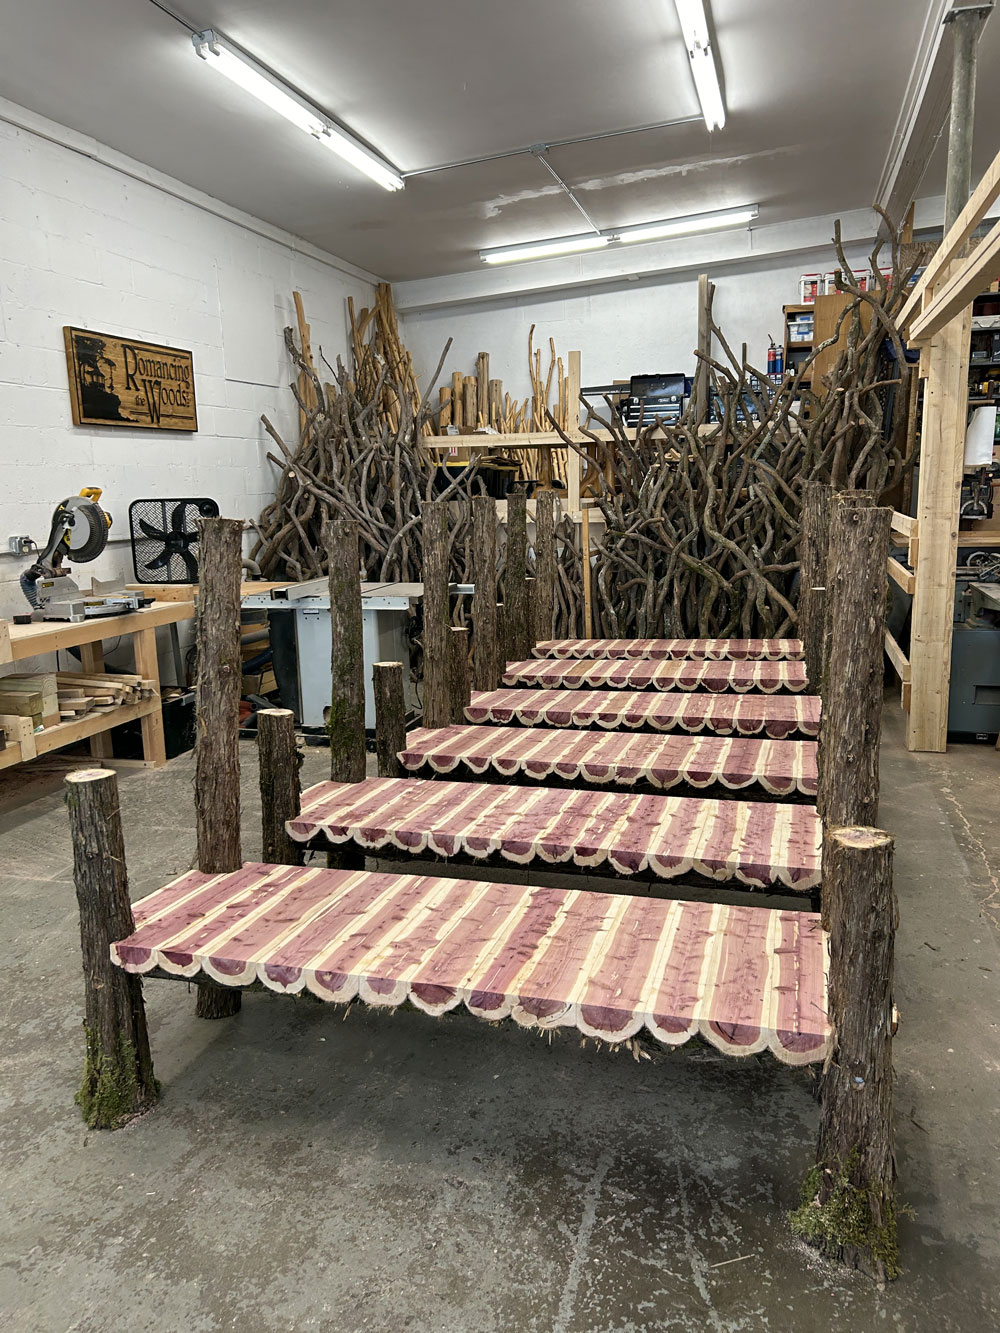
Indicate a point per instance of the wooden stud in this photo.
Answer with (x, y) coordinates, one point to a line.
(485, 655)
(817, 499)
(588, 610)
(390, 717)
(849, 1207)
(118, 1080)
(851, 724)
(458, 673)
(147, 665)
(346, 718)
(437, 613)
(514, 591)
(279, 760)
(545, 563)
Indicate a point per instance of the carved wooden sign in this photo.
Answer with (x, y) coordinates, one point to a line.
(122, 382)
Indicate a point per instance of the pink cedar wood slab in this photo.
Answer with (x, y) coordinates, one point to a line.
(711, 650)
(745, 978)
(777, 716)
(620, 674)
(780, 767)
(757, 842)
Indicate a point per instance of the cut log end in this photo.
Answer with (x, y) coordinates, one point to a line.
(863, 839)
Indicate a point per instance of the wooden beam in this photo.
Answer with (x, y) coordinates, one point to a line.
(904, 524)
(898, 658)
(958, 291)
(905, 578)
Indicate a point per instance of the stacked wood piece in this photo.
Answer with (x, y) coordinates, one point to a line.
(80, 694)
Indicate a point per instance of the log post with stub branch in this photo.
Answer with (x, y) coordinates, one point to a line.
(118, 1080)
(514, 589)
(458, 672)
(817, 498)
(390, 717)
(280, 790)
(848, 1208)
(545, 564)
(851, 724)
(217, 741)
(346, 719)
(437, 614)
(485, 652)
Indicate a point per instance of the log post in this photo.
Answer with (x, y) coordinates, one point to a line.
(118, 1080)
(514, 590)
(530, 612)
(851, 723)
(390, 717)
(485, 654)
(217, 744)
(346, 719)
(839, 500)
(502, 642)
(437, 613)
(458, 674)
(545, 564)
(279, 761)
(848, 1205)
(815, 541)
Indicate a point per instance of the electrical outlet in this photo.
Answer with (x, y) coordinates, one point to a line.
(20, 545)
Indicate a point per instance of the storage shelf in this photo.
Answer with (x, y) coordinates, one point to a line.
(67, 733)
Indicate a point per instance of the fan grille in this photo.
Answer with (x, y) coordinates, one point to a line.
(164, 537)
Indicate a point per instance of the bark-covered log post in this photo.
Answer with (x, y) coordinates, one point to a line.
(817, 499)
(839, 500)
(485, 652)
(514, 589)
(848, 1207)
(390, 717)
(279, 760)
(458, 674)
(545, 564)
(437, 614)
(851, 724)
(118, 1080)
(217, 743)
(502, 641)
(346, 719)
(530, 610)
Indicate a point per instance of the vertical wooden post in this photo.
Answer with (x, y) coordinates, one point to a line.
(469, 409)
(390, 717)
(588, 609)
(279, 760)
(530, 610)
(118, 1080)
(852, 700)
(346, 719)
(848, 1200)
(815, 541)
(485, 654)
(502, 641)
(545, 564)
(839, 500)
(457, 400)
(437, 613)
(573, 393)
(217, 744)
(706, 290)
(458, 674)
(514, 591)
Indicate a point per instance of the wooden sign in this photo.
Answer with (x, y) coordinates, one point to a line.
(121, 382)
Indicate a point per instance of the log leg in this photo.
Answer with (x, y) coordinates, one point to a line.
(217, 746)
(346, 720)
(851, 724)
(458, 674)
(503, 659)
(279, 760)
(514, 590)
(815, 540)
(848, 1205)
(437, 614)
(530, 611)
(390, 717)
(839, 500)
(485, 654)
(545, 561)
(118, 1080)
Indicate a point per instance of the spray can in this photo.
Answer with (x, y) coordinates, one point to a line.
(772, 357)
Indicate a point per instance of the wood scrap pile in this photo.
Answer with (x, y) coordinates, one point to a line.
(81, 694)
(378, 348)
(31, 696)
(701, 517)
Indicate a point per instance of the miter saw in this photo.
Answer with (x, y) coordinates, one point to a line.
(80, 533)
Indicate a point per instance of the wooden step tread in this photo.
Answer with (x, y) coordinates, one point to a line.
(710, 650)
(746, 979)
(643, 674)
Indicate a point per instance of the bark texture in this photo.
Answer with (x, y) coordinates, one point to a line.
(485, 653)
(118, 1080)
(437, 615)
(817, 498)
(280, 789)
(530, 609)
(514, 589)
(503, 659)
(545, 564)
(458, 674)
(346, 720)
(390, 717)
(848, 1205)
(851, 722)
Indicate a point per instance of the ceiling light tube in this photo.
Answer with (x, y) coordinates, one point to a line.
(694, 26)
(560, 245)
(688, 226)
(253, 78)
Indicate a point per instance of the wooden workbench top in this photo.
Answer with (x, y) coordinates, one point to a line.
(47, 636)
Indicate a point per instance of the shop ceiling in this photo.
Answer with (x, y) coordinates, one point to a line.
(812, 91)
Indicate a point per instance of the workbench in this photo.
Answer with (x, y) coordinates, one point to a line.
(19, 642)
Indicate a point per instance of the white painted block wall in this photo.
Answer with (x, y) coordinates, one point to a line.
(83, 243)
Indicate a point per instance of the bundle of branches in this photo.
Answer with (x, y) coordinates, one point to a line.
(701, 518)
(377, 346)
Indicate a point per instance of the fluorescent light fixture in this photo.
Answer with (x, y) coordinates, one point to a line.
(253, 78)
(560, 245)
(694, 25)
(688, 226)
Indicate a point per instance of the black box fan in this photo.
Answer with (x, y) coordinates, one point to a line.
(165, 538)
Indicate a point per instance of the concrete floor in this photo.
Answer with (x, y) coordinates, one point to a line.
(393, 1171)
